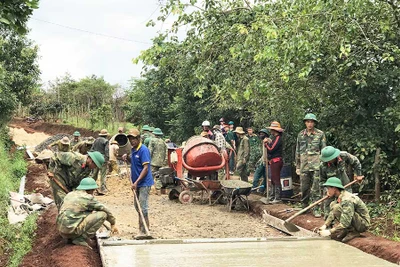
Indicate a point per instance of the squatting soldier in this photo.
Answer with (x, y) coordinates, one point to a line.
(255, 149)
(243, 154)
(76, 139)
(67, 169)
(81, 215)
(334, 164)
(349, 210)
(309, 144)
(62, 145)
(84, 146)
(158, 154)
(101, 145)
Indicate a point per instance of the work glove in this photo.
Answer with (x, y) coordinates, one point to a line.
(124, 156)
(114, 229)
(325, 233)
(298, 171)
(323, 227)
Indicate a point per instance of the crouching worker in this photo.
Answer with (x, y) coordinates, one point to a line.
(349, 210)
(81, 215)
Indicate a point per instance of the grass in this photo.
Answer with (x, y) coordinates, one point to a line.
(15, 240)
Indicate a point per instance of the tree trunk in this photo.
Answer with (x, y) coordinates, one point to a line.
(376, 175)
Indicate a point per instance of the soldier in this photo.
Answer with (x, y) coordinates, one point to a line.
(145, 132)
(255, 150)
(309, 144)
(67, 169)
(349, 210)
(141, 176)
(150, 135)
(158, 154)
(120, 130)
(113, 153)
(260, 170)
(81, 215)
(101, 145)
(230, 139)
(84, 146)
(62, 145)
(334, 164)
(243, 154)
(76, 139)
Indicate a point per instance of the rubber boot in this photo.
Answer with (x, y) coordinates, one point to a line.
(278, 190)
(272, 192)
(351, 235)
(81, 241)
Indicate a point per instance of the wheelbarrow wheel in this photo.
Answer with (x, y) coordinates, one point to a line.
(173, 194)
(186, 197)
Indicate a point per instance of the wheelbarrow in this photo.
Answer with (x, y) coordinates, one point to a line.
(208, 188)
(236, 192)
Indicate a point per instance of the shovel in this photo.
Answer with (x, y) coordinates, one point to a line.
(292, 227)
(147, 236)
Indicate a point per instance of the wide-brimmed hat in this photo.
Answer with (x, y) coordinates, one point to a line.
(329, 153)
(65, 140)
(76, 133)
(239, 130)
(231, 123)
(90, 140)
(114, 142)
(275, 126)
(146, 128)
(216, 127)
(133, 132)
(151, 129)
(334, 182)
(157, 131)
(103, 132)
(87, 183)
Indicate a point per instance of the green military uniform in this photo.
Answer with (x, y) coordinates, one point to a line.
(83, 147)
(68, 168)
(60, 146)
(308, 148)
(255, 151)
(158, 154)
(243, 155)
(101, 145)
(338, 169)
(81, 215)
(230, 139)
(351, 213)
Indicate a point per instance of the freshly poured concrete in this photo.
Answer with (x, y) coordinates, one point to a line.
(289, 252)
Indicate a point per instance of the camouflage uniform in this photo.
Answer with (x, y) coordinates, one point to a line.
(147, 140)
(74, 143)
(101, 145)
(308, 149)
(144, 136)
(351, 213)
(69, 168)
(83, 147)
(158, 154)
(60, 146)
(81, 215)
(255, 152)
(338, 170)
(243, 155)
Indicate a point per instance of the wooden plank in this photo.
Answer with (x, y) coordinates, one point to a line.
(279, 224)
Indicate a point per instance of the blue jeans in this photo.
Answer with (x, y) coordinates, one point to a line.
(258, 173)
(143, 196)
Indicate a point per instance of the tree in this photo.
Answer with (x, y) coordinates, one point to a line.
(15, 13)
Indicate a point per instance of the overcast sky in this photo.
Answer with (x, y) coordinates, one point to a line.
(80, 53)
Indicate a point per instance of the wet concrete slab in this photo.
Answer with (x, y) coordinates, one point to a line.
(277, 252)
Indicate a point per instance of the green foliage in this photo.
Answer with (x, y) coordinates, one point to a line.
(15, 13)
(385, 219)
(15, 240)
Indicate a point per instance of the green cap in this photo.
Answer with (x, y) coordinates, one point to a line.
(87, 183)
(264, 131)
(146, 128)
(97, 157)
(329, 153)
(231, 123)
(310, 116)
(151, 129)
(157, 131)
(76, 133)
(334, 182)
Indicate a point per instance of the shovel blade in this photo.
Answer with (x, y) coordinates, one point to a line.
(264, 200)
(144, 237)
(291, 227)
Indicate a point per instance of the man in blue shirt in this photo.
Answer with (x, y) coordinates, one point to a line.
(141, 176)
